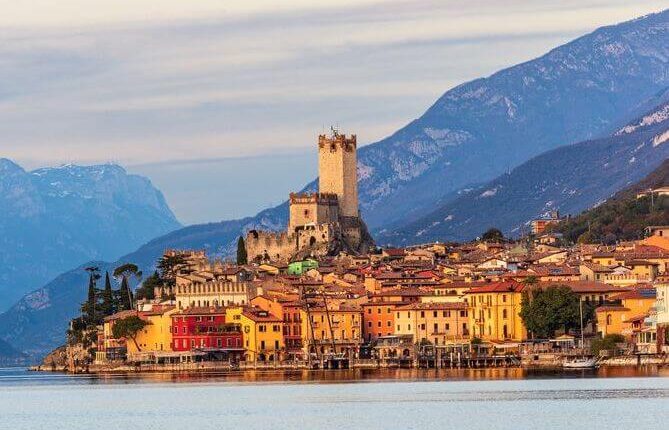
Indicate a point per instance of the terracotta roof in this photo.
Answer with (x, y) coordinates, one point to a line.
(202, 310)
(611, 308)
(498, 287)
(434, 306)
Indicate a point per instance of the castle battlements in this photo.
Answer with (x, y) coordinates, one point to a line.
(319, 222)
(337, 141)
(317, 198)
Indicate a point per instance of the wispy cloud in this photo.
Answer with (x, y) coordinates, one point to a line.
(167, 80)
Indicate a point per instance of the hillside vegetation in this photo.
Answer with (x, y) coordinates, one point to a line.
(624, 217)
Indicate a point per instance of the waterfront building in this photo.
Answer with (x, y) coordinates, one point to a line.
(289, 310)
(262, 332)
(436, 323)
(494, 311)
(335, 328)
(205, 328)
(156, 335)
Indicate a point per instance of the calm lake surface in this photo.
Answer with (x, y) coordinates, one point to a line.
(619, 398)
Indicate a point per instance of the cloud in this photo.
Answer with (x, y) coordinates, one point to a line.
(168, 80)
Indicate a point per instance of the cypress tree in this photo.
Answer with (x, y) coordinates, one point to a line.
(125, 299)
(242, 257)
(90, 302)
(108, 306)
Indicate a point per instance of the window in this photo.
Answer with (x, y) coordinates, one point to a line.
(262, 328)
(434, 314)
(504, 313)
(503, 298)
(262, 344)
(389, 324)
(369, 310)
(378, 310)
(378, 324)
(422, 314)
(447, 327)
(276, 328)
(219, 342)
(436, 328)
(369, 324)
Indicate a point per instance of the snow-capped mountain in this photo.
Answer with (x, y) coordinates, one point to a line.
(53, 219)
(585, 89)
(589, 88)
(568, 179)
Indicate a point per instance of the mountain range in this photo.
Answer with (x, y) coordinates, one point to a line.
(584, 91)
(568, 179)
(54, 219)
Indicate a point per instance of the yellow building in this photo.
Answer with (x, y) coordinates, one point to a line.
(339, 325)
(438, 323)
(494, 312)
(617, 318)
(262, 332)
(156, 335)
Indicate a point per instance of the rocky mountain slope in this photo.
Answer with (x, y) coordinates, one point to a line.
(569, 179)
(53, 219)
(623, 217)
(472, 134)
(476, 131)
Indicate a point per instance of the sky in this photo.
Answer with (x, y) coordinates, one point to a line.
(220, 103)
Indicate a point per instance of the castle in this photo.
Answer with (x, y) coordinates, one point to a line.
(322, 223)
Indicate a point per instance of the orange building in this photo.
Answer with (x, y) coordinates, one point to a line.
(378, 319)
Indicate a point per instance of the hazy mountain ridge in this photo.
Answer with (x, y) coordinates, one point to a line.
(587, 88)
(56, 218)
(569, 179)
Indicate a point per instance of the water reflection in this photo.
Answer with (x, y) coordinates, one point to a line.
(16, 376)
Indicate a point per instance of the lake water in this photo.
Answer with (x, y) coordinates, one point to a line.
(621, 398)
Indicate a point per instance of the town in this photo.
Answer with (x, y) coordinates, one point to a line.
(322, 295)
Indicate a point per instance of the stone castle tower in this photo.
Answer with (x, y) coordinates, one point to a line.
(337, 171)
(325, 222)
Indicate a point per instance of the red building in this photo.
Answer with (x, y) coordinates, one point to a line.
(204, 328)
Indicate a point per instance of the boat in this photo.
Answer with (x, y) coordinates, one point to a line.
(582, 362)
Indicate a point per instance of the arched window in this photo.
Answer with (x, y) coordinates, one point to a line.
(608, 319)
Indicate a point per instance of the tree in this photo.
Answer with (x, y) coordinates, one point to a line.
(128, 327)
(493, 235)
(167, 267)
(149, 286)
(544, 311)
(124, 272)
(108, 306)
(125, 296)
(89, 309)
(608, 343)
(242, 257)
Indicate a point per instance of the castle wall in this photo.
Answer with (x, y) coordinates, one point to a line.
(262, 245)
(312, 209)
(314, 235)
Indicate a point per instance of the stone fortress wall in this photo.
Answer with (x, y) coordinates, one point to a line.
(322, 222)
